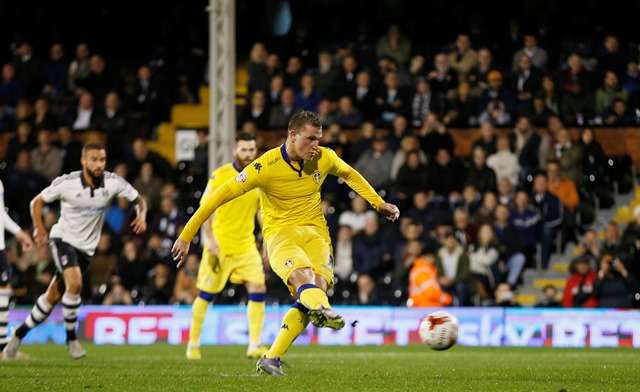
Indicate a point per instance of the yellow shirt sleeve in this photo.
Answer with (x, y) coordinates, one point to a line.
(228, 191)
(354, 179)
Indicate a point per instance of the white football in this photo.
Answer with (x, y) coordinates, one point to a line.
(439, 330)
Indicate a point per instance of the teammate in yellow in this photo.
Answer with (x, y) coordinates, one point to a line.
(294, 227)
(230, 252)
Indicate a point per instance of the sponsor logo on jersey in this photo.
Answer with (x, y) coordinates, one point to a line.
(241, 178)
(316, 176)
(288, 263)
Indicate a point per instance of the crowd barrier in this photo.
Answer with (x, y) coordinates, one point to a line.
(532, 327)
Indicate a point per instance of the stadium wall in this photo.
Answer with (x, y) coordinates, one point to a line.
(367, 326)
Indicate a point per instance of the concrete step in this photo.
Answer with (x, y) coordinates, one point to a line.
(542, 282)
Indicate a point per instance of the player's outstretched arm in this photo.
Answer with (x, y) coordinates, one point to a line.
(358, 183)
(12, 227)
(210, 204)
(40, 232)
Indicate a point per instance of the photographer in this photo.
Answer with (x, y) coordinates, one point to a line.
(613, 287)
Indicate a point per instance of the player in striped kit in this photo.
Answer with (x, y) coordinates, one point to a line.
(84, 198)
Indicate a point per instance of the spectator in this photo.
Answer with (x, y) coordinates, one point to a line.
(412, 177)
(112, 121)
(275, 90)
(470, 201)
(99, 81)
(462, 109)
(132, 268)
(423, 103)
(71, 150)
(22, 140)
(463, 229)
(47, 159)
(409, 143)
(118, 295)
(478, 75)
(159, 289)
(579, 290)
(168, 220)
(619, 116)
(563, 188)
(56, 72)
(527, 82)
(512, 260)
(256, 111)
(325, 74)
(613, 287)
(369, 258)
(444, 175)
(496, 102)
(504, 296)
(293, 72)
(527, 222)
(551, 212)
(258, 77)
(375, 163)
(84, 117)
(504, 162)
(454, 276)
(463, 58)
(280, 114)
(185, 290)
(576, 84)
(345, 82)
(357, 216)
(424, 289)
(632, 231)
(147, 98)
(394, 45)
(526, 144)
(487, 140)
(611, 242)
(611, 58)
(609, 91)
(149, 185)
(443, 78)
(392, 100)
(549, 298)
(531, 50)
(343, 253)
(483, 256)
(427, 209)
(434, 136)
(484, 214)
(141, 154)
(10, 90)
(631, 83)
(307, 97)
(549, 95)
(347, 116)
(364, 96)
(79, 68)
(482, 177)
(28, 70)
(43, 117)
(505, 192)
(589, 248)
(29, 181)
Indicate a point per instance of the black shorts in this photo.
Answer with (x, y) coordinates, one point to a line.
(5, 269)
(66, 256)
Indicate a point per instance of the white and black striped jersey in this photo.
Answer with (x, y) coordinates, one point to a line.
(6, 223)
(82, 208)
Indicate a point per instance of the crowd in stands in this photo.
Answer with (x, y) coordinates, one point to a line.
(469, 225)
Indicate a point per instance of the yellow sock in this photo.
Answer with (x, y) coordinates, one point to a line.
(312, 297)
(255, 317)
(294, 322)
(199, 310)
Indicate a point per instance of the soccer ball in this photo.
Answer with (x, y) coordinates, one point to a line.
(439, 330)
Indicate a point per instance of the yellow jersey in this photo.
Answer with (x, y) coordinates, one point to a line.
(234, 222)
(290, 190)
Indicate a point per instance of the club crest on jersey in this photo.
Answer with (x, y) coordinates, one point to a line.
(288, 263)
(257, 166)
(316, 176)
(241, 178)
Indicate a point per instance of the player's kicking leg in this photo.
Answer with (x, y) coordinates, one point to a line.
(312, 305)
(255, 318)
(39, 313)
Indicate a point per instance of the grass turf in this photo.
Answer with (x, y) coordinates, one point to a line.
(415, 368)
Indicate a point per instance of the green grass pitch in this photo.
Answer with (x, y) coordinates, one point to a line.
(316, 368)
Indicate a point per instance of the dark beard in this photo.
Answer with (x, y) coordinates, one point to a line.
(96, 179)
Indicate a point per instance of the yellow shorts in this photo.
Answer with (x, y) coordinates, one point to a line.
(293, 248)
(216, 271)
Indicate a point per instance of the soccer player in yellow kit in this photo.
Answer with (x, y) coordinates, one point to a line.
(294, 228)
(230, 252)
